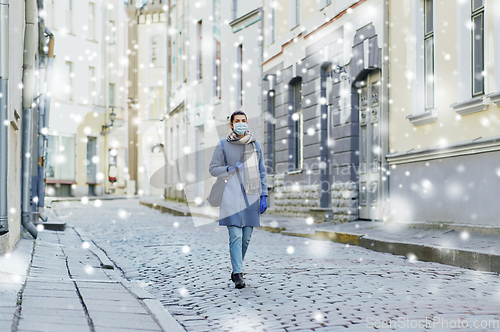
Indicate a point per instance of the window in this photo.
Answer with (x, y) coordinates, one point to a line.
(217, 70)
(155, 49)
(69, 16)
(477, 47)
(68, 84)
(61, 158)
(235, 9)
(429, 53)
(294, 13)
(91, 31)
(182, 60)
(92, 80)
(324, 3)
(239, 82)
(200, 53)
(112, 94)
(271, 22)
(156, 107)
(112, 32)
(50, 14)
(174, 64)
(91, 165)
(298, 131)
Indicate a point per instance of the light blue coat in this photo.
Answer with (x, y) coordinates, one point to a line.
(233, 210)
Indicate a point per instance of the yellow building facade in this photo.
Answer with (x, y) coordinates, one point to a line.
(444, 120)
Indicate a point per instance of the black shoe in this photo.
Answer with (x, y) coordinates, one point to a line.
(238, 280)
(232, 277)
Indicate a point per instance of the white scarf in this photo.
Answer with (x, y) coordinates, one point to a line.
(251, 159)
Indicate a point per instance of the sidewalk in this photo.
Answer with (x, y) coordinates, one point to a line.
(465, 246)
(71, 285)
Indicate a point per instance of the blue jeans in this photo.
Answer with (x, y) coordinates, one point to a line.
(239, 238)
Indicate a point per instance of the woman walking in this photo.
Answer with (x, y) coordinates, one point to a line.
(245, 194)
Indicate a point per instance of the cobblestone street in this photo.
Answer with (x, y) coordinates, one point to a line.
(293, 283)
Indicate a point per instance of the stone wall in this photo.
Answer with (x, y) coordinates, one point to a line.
(291, 201)
(345, 201)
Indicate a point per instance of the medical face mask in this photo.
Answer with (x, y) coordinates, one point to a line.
(240, 128)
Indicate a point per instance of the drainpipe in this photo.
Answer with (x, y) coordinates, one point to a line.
(167, 99)
(28, 80)
(326, 195)
(385, 109)
(4, 115)
(44, 122)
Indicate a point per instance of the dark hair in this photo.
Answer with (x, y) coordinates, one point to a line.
(238, 113)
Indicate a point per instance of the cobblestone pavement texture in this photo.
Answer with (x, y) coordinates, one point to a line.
(293, 283)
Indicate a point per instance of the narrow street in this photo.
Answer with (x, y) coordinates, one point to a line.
(293, 284)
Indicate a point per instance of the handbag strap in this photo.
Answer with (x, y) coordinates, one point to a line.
(223, 151)
(241, 182)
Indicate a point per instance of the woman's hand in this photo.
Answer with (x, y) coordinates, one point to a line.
(263, 204)
(233, 168)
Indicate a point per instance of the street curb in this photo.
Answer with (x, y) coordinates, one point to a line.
(165, 209)
(426, 253)
(166, 321)
(90, 198)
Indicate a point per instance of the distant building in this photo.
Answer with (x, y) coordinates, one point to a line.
(89, 84)
(147, 76)
(215, 69)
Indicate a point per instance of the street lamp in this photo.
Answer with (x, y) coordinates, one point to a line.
(112, 117)
(341, 70)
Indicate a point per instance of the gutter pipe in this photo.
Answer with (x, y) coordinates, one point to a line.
(4, 114)
(385, 108)
(44, 121)
(28, 86)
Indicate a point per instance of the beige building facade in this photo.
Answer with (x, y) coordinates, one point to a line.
(444, 125)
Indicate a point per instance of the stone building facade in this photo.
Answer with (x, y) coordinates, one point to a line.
(318, 140)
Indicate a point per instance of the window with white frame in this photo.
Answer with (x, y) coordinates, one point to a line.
(298, 126)
(477, 27)
(61, 158)
(50, 19)
(429, 53)
(156, 105)
(294, 13)
(91, 28)
(271, 21)
(324, 3)
(68, 81)
(111, 94)
(155, 51)
(92, 80)
(239, 59)
(200, 50)
(69, 16)
(218, 72)
(112, 32)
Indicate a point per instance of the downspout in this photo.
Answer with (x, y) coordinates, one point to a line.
(385, 109)
(106, 101)
(167, 99)
(4, 113)
(28, 80)
(46, 113)
(325, 186)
